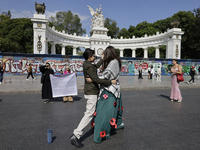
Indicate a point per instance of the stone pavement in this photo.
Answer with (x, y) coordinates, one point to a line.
(19, 84)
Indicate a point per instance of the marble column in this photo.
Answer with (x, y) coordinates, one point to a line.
(145, 53)
(74, 50)
(53, 48)
(46, 47)
(63, 50)
(157, 52)
(121, 52)
(133, 52)
(166, 52)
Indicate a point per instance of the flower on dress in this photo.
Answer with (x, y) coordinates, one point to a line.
(123, 119)
(112, 121)
(92, 124)
(115, 103)
(122, 108)
(115, 126)
(95, 113)
(105, 96)
(118, 108)
(102, 134)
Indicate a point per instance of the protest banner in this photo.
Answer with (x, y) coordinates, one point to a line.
(63, 85)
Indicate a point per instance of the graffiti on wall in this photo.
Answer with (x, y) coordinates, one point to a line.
(15, 65)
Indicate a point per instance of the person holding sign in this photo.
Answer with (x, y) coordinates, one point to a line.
(91, 91)
(68, 98)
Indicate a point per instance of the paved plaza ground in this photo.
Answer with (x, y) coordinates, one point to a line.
(152, 121)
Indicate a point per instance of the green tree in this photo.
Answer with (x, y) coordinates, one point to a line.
(124, 33)
(111, 25)
(68, 22)
(5, 15)
(195, 34)
(187, 24)
(17, 33)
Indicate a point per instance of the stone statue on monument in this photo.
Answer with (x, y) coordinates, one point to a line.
(40, 8)
(98, 18)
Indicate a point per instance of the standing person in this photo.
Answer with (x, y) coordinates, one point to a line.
(140, 72)
(192, 73)
(175, 91)
(46, 85)
(151, 71)
(68, 98)
(91, 90)
(30, 68)
(198, 73)
(1, 73)
(159, 74)
(109, 109)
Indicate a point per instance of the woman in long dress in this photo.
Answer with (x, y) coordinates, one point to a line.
(108, 114)
(175, 91)
(46, 86)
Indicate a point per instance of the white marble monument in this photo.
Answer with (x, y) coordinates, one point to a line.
(98, 39)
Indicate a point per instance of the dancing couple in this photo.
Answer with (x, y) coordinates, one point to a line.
(103, 105)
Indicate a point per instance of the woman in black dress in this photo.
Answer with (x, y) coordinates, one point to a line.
(46, 83)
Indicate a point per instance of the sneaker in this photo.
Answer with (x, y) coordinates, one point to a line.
(179, 101)
(34, 78)
(52, 101)
(0, 82)
(75, 141)
(188, 82)
(46, 101)
(27, 79)
(172, 100)
(193, 83)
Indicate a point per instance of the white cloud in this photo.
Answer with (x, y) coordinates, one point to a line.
(49, 14)
(22, 14)
(82, 17)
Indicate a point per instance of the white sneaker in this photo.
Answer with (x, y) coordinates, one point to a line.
(34, 78)
(27, 79)
(179, 101)
(172, 100)
(193, 83)
(188, 82)
(0, 82)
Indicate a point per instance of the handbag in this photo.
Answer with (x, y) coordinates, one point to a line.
(180, 77)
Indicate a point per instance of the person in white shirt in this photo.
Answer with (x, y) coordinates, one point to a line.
(151, 71)
(159, 74)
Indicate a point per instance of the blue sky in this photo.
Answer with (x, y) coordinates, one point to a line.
(124, 12)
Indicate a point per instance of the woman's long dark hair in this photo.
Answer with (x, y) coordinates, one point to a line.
(110, 53)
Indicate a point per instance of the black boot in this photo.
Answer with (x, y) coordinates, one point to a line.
(75, 141)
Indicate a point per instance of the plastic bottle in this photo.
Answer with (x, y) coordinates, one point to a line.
(49, 136)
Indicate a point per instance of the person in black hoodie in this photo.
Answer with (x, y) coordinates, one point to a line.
(192, 73)
(46, 83)
(1, 73)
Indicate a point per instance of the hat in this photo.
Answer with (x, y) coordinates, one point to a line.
(67, 67)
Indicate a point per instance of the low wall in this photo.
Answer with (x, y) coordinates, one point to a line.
(17, 64)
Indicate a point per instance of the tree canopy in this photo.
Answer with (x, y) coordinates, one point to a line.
(68, 22)
(16, 35)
